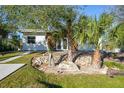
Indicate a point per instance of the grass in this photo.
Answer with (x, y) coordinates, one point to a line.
(30, 77)
(9, 55)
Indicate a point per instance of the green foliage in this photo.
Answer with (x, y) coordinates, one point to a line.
(46, 17)
(10, 44)
(116, 36)
(114, 64)
(7, 45)
(91, 30)
(80, 29)
(120, 35)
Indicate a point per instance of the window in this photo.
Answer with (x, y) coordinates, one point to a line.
(0, 36)
(31, 39)
(59, 44)
(65, 43)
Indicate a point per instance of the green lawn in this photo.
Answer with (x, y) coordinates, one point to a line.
(30, 77)
(9, 55)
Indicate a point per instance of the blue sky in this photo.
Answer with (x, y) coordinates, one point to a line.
(96, 10)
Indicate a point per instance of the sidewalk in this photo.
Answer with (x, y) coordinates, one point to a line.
(7, 69)
(13, 58)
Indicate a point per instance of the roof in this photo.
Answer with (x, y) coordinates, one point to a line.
(32, 30)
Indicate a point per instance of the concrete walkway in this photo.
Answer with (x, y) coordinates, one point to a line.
(7, 69)
(13, 58)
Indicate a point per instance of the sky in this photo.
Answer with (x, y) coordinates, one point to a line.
(96, 10)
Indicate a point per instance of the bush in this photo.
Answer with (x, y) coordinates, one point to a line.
(7, 45)
(114, 64)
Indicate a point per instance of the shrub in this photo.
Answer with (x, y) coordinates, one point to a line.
(114, 64)
(7, 45)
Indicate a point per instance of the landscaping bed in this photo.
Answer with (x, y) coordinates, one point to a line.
(81, 64)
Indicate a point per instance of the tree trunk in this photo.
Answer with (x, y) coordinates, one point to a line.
(50, 47)
(69, 36)
(74, 46)
(51, 62)
(96, 59)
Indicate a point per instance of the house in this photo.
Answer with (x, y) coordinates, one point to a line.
(34, 40)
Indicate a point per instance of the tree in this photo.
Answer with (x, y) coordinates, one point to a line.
(118, 30)
(116, 36)
(116, 33)
(119, 13)
(5, 29)
(100, 28)
(93, 31)
(49, 18)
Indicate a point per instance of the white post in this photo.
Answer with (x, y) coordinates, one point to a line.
(62, 44)
(67, 43)
(56, 45)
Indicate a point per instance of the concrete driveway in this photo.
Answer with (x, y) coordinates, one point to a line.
(7, 69)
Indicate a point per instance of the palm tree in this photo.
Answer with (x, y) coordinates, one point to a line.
(63, 23)
(81, 29)
(116, 36)
(100, 28)
(92, 31)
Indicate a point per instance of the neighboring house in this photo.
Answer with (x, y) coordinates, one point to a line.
(34, 39)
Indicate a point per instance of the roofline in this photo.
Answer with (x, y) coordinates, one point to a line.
(32, 30)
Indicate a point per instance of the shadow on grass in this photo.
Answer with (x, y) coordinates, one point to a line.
(49, 85)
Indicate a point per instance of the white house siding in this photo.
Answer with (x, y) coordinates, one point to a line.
(39, 45)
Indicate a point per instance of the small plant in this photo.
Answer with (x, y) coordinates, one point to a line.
(113, 55)
(114, 65)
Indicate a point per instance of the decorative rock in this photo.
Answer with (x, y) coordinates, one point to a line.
(36, 62)
(84, 60)
(68, 66)
(103, 70)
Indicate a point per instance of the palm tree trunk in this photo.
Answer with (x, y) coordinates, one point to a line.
(70, 50)
(51, 62)
(50, 49)
(69, 36)
(74, 46)
(96, 58)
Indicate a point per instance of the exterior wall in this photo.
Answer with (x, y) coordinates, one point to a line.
(85, 47)
(39, 45)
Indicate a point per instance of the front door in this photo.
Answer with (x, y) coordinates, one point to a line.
(65, 44)
(62, 44)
